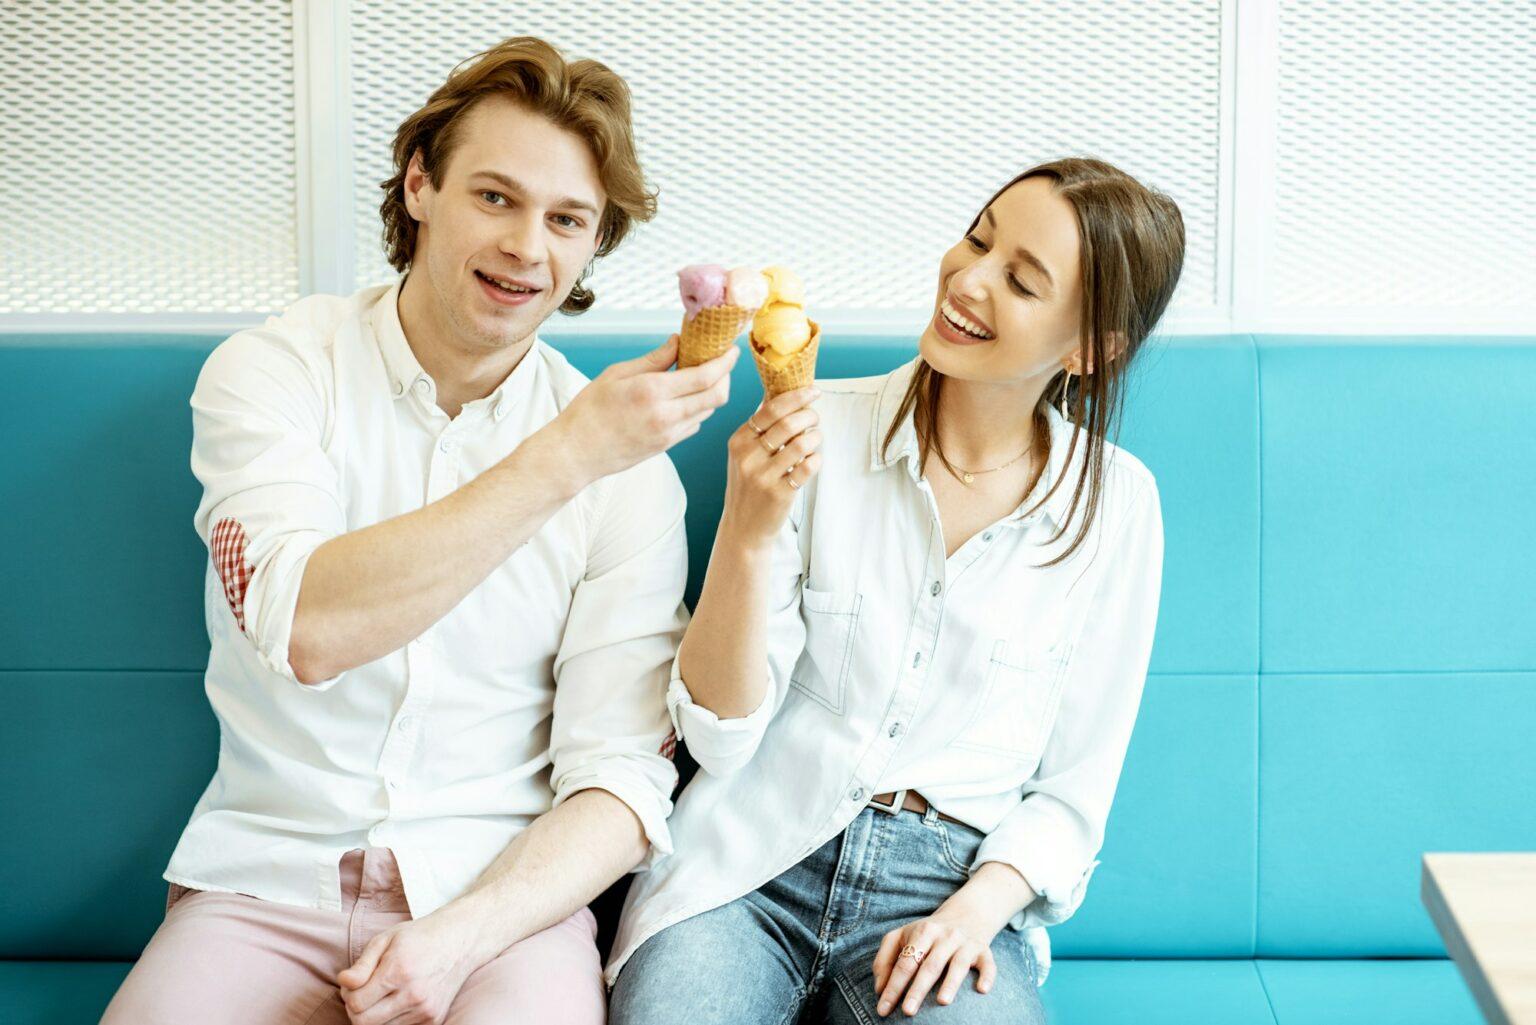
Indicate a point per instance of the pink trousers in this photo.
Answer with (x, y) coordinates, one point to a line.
(225, 958)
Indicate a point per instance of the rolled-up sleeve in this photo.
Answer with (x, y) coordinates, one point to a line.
(611, 730)
(271, 496)
(1054, 835)
(723, 746)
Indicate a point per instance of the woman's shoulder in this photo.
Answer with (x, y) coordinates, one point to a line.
(1127, 485)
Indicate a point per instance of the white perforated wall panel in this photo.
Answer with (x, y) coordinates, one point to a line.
(150, 157)
(852, 141)
(1405, 155)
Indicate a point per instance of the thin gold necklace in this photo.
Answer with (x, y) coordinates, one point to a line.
(968, 477)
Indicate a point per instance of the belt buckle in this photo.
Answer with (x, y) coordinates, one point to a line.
(898, 799)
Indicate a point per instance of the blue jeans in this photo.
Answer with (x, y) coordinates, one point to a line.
(801, 948)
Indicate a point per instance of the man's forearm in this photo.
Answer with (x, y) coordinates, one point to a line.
(558, 864)
(723, 658)
(371, 591)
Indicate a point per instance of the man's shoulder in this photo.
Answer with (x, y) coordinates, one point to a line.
(290, 349)
(564, 379)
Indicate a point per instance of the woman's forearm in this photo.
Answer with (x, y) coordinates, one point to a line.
(991, 897)
(723, 659)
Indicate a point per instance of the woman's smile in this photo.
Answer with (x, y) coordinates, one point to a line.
(953, 325)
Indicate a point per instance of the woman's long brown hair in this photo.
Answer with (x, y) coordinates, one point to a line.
(1132, 251)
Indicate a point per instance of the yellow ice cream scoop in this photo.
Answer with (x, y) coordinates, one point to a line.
(780, 328)
(784, 286)
(784, 341)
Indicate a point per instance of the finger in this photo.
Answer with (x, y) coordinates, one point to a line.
(959, 967)
(653, 362)
(795, 453)
(697, 378)
(885, 957)
(394, 1006)
(779, 406)
(355, 976)
(790, 426)
(802, 472)
(927, 974)
(988, 971)
(901, 971)
(706, 401)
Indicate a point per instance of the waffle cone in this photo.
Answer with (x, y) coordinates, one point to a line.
(799, 372)
(711, 332)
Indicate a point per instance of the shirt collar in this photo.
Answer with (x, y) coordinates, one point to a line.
(405, 372)
(904, 446)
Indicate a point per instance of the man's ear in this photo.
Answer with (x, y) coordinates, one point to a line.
(418, 186)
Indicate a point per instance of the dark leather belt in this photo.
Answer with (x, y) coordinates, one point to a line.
(906, 800)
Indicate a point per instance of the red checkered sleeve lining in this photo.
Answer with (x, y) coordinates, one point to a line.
(228, 544)
(668, 747)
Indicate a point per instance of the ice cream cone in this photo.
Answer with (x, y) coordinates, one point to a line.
(798, 371)
(711, 332)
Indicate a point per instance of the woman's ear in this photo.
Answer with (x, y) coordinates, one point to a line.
(1073, 364)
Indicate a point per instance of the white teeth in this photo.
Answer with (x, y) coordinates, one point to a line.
(505, 285)
(963, 323)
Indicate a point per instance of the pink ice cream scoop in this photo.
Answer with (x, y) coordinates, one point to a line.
(746, 287)
(702, 285)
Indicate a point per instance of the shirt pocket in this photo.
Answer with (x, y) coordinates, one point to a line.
(1018, 701)
(831, 620)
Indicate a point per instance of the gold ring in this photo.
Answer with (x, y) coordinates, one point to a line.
(756, 429)
(792, 482)
(911, 951)
(771, 450)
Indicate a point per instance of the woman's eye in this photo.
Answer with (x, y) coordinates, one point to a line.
(1018, 286)
(975, 243)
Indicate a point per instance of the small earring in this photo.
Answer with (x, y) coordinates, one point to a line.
(1066, 377)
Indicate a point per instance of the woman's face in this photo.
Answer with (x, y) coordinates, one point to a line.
(1007, 307)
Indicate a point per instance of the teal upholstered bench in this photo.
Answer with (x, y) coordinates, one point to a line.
(1344, 675)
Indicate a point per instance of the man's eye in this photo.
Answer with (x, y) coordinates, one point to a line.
(567, 217)
(491, 197)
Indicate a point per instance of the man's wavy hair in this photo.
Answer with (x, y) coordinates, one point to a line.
(583, 97)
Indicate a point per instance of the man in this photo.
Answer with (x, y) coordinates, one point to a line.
(444, 596)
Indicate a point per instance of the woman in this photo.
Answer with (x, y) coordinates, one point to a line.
(920, 648)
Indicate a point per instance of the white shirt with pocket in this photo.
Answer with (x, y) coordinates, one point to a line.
(1003, 692)
(548, 678)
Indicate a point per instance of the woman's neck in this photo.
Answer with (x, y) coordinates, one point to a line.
(980, 425)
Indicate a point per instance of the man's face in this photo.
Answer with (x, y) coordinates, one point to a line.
(517, 208)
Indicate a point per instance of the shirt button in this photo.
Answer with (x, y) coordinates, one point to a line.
(392, 784)
(895, 729)
(917, 658)
(445, 445)
(406, 724)
(856, 794)
(987, 536)
(936, 588)
(421, 385)
(399, 388)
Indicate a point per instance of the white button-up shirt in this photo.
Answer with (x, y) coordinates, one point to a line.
(1003, 692)
(549, 677)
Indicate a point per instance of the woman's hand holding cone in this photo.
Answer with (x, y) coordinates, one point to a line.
(771, 456)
